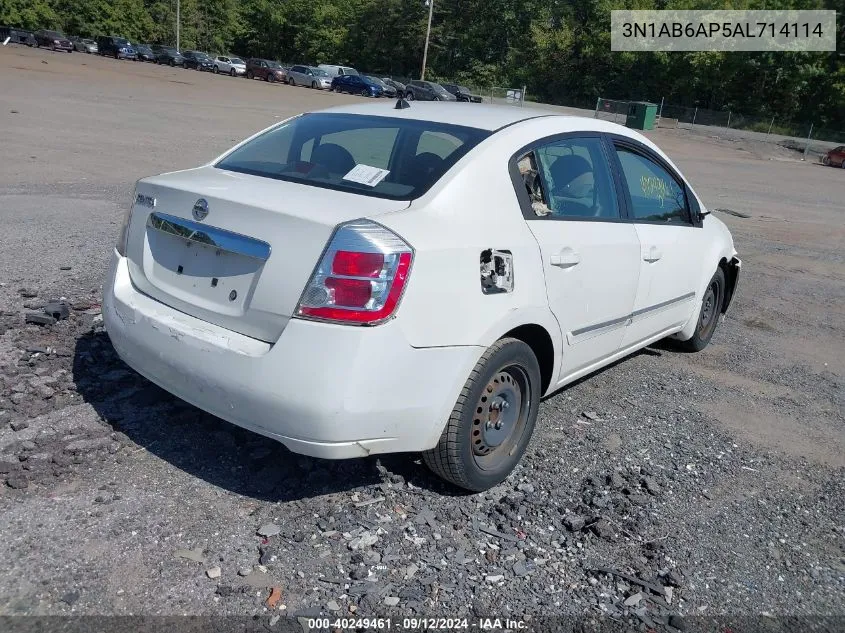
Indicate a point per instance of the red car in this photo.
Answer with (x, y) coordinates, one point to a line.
(265, 69)
(53, 40)
(835, 157)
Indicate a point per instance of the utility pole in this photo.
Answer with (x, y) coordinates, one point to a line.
(178, 2)
(430, 4)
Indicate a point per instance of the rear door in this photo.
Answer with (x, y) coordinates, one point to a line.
(590, 253)
(671, 238)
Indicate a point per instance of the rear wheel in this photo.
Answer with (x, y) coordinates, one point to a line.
(249, 74)
(493, 419)
(314, 84)
(365, 93)
(708, 316)
(232, 72)
(271, 78)
(291, 82)
(409, 96)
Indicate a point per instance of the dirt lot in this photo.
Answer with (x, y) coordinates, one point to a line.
(717, 478)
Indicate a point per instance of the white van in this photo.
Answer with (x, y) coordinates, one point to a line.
(337, 71)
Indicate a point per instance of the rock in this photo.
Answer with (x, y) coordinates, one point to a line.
(367, 539)
(19, 425)
(677, 622)
(574, 523)
(491, 555)
(526, 488)
(214, 572)
(244, 571)
(7, 467)
(616, 481)
(391, 601)
(59, 310)
(494, 578)
(191, 554)
(332, 605)
(651, 485)
(269, 529)
(411, 571)
(591, 415)
(668, 592)
(673, 579)
(28, 293)
(38, 318)
(70, 598)
(634, 600)
(29, 445)
(523, 568)
(85, 446)
(18, 482)
(603, 529)
(359, 573)
(372, 558)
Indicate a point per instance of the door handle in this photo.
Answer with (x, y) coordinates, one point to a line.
(652, 255)
(567, 258)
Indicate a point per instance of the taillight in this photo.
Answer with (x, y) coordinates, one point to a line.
(360, 278)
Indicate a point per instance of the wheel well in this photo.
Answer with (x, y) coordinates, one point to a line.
(731, 271)
(538, 339)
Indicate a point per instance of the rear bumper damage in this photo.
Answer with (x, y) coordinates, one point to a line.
(324, 390)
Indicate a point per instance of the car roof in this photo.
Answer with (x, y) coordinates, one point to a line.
(482, 116)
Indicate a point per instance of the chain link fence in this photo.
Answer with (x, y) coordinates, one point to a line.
(813, 141)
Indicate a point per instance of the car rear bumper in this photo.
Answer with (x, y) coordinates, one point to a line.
(324, 390)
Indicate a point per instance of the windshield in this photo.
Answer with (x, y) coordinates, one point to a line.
(236, 60)
(376, 81)
(398, 159)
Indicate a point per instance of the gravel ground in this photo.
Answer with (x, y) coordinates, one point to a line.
(663, 489)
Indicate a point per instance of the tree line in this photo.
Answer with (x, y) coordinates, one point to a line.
(559, 49)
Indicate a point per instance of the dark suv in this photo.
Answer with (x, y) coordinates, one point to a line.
(113, 46)
(462, 93)
(167, 55)
(53, 40)
(198, 60)
(427, 91)
(265, 69)
(17, 36)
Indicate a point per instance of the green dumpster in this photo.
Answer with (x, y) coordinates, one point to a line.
(641, 115)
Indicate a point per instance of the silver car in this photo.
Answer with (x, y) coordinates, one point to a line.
(308, 76)
(84, 45)
(233, 66)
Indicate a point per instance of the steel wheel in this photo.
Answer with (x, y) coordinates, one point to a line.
(500, 416)
(708, 315)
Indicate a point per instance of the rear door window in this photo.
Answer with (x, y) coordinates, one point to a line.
(321, 149)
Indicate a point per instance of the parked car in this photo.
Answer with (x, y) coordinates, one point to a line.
(356, 85)
(397, 85)
(389, 91)
(835, 157)
(268, 262)
(336, 71)
(427, 91)
(308, 76)
(53, 40)
(117, 47)
(144, 53)
(265, 69)
(230, 65)
(198, 60)
(462, 93)
(84, 45)
(167, 55)
(17, 36)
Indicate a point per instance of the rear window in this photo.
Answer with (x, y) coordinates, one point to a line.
(352, 153)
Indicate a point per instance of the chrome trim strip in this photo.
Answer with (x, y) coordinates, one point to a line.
(662, 304)
(209, 235)
(633, 315)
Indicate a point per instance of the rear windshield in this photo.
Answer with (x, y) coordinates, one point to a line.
(383, 157)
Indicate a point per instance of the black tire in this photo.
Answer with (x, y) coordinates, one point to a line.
(116, 55)
(409, 96)
(708, 315)
(173, 63)
(365, 93)
(249, 74)
(271, 78)
(291, 82)
(467, 454)
(216, 69)
(232, 72)
(313, 85)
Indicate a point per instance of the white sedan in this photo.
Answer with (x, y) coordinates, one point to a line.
(370, 279)
(233, 66)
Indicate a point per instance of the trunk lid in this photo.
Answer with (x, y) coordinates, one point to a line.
(242, 265)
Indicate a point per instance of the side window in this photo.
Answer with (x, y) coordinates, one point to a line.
(440, 144)
(574, 179)
(656, 196)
